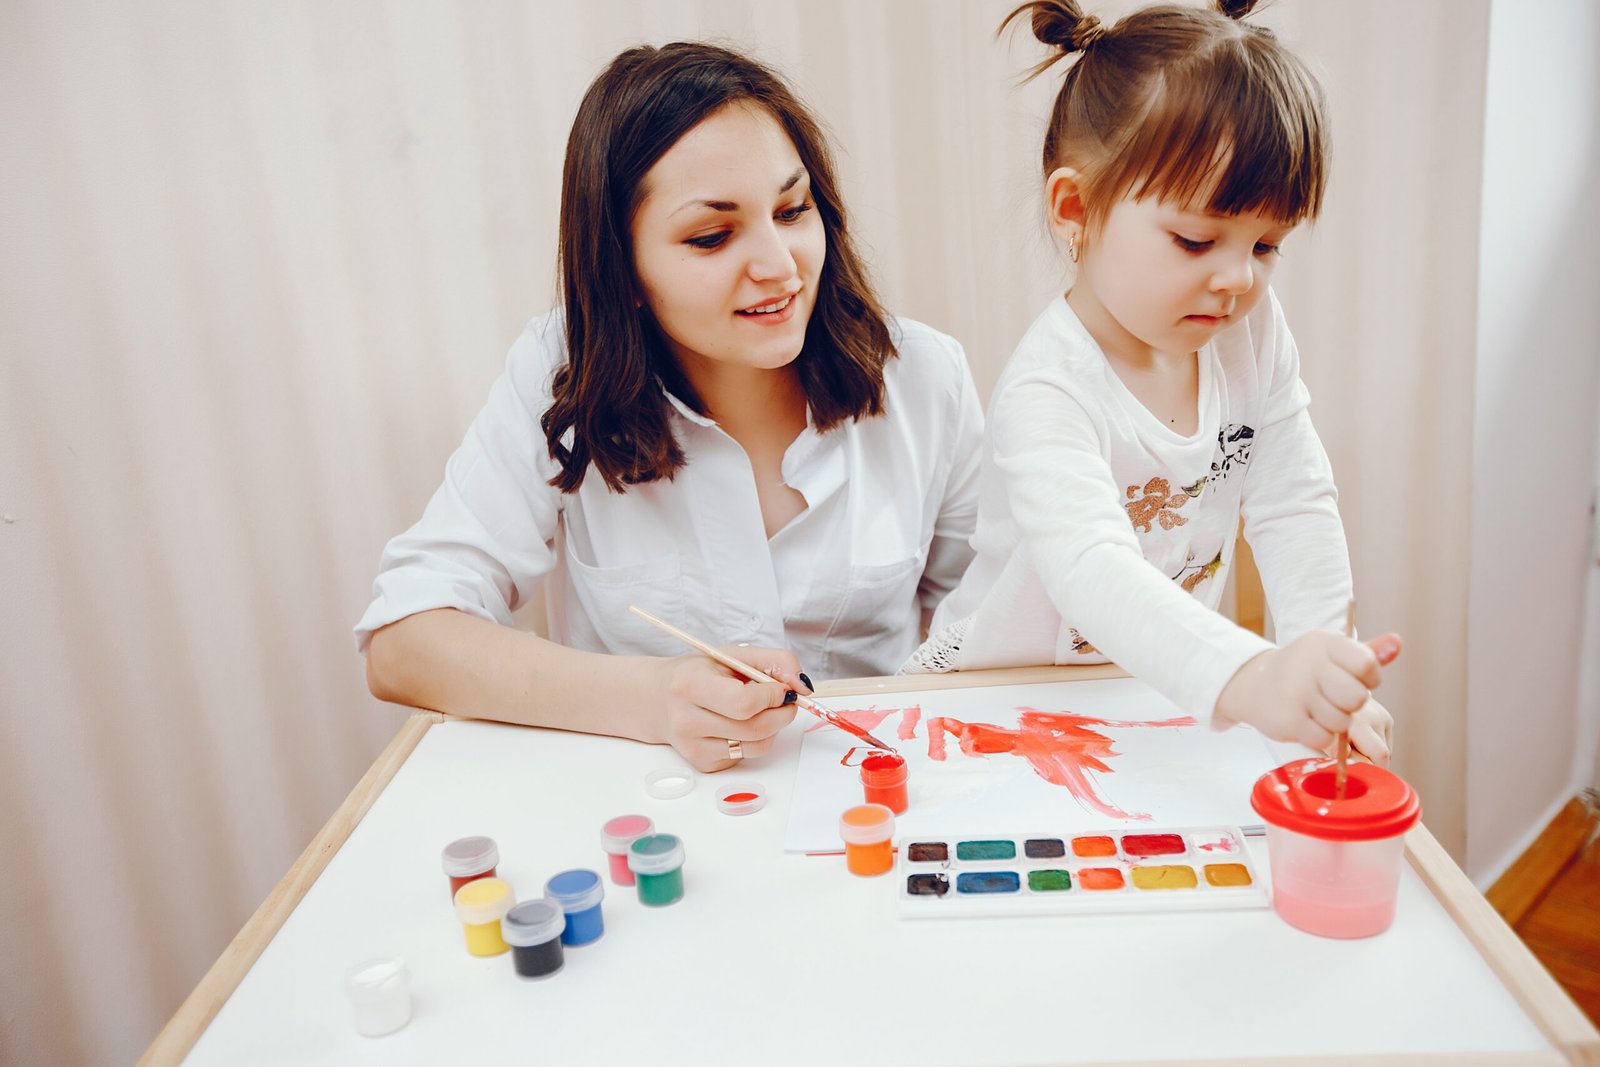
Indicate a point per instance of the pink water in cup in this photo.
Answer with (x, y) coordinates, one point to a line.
(1335, 859)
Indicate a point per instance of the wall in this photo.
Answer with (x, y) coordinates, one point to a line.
(1534, 425)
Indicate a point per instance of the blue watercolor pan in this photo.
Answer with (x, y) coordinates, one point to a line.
(1140, 869)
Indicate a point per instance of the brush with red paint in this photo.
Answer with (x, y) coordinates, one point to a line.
(759, 676)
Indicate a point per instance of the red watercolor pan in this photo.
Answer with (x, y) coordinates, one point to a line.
(1067, 873)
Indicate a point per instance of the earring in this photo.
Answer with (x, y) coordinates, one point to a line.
(1072, 246)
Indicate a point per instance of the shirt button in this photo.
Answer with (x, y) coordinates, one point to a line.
(755, 622)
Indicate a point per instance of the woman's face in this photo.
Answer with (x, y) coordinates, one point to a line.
(728, 244)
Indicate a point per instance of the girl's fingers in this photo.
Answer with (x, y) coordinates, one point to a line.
(1386, 648)
(1326, 715)
(1367, 741)
(1357, 661)
(1343, 691)
(1313, 736)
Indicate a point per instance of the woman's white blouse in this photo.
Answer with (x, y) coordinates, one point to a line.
(848, 584)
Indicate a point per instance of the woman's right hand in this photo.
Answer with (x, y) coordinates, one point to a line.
(707, 705)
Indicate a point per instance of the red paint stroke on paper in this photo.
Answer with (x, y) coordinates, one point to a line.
(1060, 746)
(869, 719)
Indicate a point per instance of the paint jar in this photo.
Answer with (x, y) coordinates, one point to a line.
(1335, 859)
(868, 830)
(883, 778)
(616, 836)
(533, 930)
(480, 905)
(579, 893)
(468, 859)
(657, 863)
(380, 995)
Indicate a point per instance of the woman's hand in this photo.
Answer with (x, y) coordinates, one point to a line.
(707, 705)
(1313, 689)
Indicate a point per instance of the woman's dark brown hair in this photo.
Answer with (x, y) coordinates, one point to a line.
(608, 408)
(1174, 102)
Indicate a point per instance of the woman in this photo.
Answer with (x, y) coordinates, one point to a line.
(720, 425)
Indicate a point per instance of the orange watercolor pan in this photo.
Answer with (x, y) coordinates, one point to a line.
(1064, 873)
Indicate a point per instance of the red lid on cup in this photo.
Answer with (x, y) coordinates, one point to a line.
(883, 770)
(1299, 796)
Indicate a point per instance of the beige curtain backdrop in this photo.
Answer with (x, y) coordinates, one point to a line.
(260, 261)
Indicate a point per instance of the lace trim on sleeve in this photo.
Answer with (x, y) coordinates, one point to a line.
(940, 651)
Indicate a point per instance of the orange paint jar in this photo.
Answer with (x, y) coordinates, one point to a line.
(868, 834)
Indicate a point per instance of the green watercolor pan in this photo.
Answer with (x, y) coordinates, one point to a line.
(1065, 873)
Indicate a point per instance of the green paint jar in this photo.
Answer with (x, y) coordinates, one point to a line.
(657, 865)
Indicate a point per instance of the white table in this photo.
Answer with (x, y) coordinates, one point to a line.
(784, 959)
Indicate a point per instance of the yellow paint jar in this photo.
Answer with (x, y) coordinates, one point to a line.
(480, 906)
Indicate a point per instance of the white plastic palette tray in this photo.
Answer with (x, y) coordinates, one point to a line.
(1053, 873)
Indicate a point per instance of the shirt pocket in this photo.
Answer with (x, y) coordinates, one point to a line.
(603, 594)
(874, 621)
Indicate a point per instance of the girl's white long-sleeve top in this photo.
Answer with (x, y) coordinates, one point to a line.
(1105, 535)
(890, 505)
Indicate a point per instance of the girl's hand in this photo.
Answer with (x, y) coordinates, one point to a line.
(1370, 729)
(1309, 690)
(707, 705)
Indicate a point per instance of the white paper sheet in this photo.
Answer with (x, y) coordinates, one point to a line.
(1156, 772)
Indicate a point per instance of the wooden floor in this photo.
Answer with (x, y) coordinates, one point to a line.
(1551, 898)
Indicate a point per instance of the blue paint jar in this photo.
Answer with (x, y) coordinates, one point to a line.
(578, 892)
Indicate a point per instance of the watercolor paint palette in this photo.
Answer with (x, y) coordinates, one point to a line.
(1134, 870)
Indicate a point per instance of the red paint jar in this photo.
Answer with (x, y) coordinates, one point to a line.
(467, 859)
(883, 777)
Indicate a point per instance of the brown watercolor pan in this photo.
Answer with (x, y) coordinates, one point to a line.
(1141, 869)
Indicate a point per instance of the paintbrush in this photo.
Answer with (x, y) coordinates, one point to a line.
(760, 676)
(1344, 735)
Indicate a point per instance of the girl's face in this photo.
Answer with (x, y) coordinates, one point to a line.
(1170, 277)
(728, 244)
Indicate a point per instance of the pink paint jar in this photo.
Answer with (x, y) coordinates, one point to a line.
(616, 837)
(883, 779)
(1335, 859)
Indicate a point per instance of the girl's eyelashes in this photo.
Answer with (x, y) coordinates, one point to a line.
(708, 241)
(1262, 248)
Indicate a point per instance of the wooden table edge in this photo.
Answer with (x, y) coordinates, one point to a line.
(178, 1037)
(1561, 1021)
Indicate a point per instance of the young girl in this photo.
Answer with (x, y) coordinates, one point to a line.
(1160, 400)
(720, 425)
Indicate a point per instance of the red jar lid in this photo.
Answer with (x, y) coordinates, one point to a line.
(1299, 796)
(883, 769)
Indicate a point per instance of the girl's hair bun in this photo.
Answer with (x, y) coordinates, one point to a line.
(1236, 9)
(1061, 24)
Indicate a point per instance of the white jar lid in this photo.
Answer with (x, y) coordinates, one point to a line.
(656, 854)
(470, 855)
(533, 922)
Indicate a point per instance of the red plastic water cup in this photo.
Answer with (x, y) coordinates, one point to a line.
(1335, 859)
